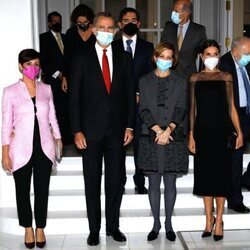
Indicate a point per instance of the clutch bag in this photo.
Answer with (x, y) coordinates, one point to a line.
(58, 150)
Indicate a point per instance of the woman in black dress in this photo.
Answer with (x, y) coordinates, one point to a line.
(79, 38)
(163, 151)
(213, 118)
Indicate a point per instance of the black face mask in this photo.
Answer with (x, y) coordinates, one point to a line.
(83, 26)
(57, 27)
(130, 29)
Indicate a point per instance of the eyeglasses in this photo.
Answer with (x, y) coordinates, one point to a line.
(126, 21)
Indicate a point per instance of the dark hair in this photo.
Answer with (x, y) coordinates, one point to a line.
(104, 14)
(27, 55)
(124, 11)
(163, 46)
(209, 43)
(82, 10)
(53, 13)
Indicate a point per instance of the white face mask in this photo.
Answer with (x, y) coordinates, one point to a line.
(211, 62)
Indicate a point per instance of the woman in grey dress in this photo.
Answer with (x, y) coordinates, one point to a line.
(163, 150)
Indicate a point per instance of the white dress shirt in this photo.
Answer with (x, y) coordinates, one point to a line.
(184, 29)
(99, 51)
(132, 45)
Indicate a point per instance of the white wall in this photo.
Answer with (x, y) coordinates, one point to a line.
(18, 25)
(61, 6)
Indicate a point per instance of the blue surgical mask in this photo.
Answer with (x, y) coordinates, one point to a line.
(104, 38)
(244, 60)
(163, 65)
(175, 16)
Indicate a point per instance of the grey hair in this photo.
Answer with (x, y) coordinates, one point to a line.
(239, 41)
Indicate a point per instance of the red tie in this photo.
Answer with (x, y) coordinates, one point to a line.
(105, 71)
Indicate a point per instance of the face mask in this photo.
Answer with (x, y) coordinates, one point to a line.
(83, 26)
(130, 29)
(104, 38)
(163, 65)
(175, 16)
(211, 62)
(31, 71)
(57, 27)
(244, 60)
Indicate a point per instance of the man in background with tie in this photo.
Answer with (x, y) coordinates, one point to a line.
(185, 35)
(141, 52)
(51, 57)
(102, 112)
(236, 62)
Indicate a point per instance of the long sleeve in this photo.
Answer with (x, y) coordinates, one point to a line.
(181, 105)
(7, 118)
(76, 77)
(52, 117)
(192, 103)
(145, 113)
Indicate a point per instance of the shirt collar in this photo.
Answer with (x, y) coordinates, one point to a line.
(100, 49)
(185, 25)
(133, 38)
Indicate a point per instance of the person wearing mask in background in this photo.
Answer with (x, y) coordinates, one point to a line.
(51, 58)
(141, 52)
(236, 62)
(185, 35)
(79, 38)
(29, 131)
(213, 118)
(163, 150)
(102, 112)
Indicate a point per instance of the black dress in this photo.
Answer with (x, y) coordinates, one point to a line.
(210, 120)
(75, 45)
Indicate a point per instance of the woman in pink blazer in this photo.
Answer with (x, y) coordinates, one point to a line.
(29, 131)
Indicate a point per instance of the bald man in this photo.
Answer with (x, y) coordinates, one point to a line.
(236, 62)
(185, 35)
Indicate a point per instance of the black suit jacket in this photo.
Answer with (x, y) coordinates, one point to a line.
(142, 58)
(92, 109)
(51, 57)
(195, 35)
(227, 64)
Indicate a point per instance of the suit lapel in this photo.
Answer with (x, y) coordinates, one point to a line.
(188, 35)
(96, 68)
(54, 42)
(116, 63)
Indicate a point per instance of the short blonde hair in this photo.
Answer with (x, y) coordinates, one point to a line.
(163, 46)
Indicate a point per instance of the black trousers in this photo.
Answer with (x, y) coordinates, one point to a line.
(40, 165)
(236, 197)
(112, 149)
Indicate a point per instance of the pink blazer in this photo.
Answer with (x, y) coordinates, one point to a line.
(18, 122)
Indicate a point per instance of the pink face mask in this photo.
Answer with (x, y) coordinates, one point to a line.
(31, 71)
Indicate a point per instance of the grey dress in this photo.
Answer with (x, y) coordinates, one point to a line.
(162, 101)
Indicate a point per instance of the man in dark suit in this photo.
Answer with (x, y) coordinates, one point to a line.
(141, 51)
(102, 112)
(51, 57)
(235, 62)
(185, 35)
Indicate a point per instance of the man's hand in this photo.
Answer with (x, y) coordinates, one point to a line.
(80, 140)
(64, 85)
(128, 136)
